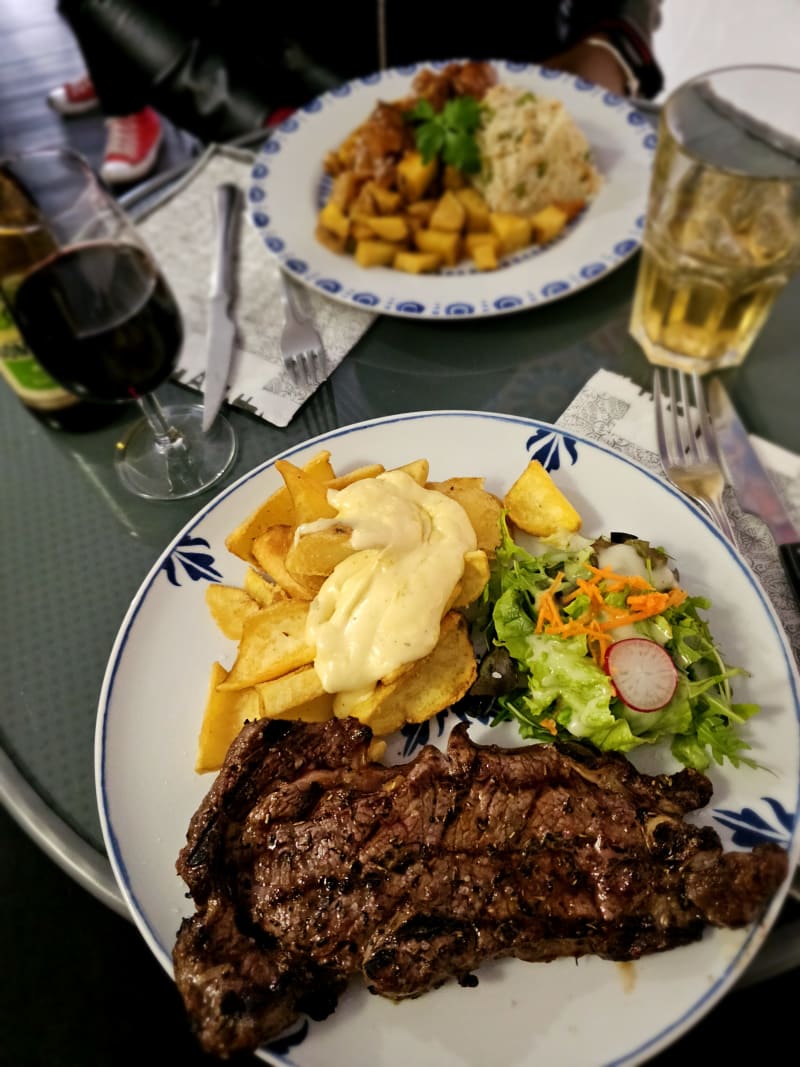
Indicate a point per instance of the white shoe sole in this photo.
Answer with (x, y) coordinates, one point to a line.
(118, 173)
(58, 102)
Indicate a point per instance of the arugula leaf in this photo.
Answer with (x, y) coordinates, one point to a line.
(450, 133)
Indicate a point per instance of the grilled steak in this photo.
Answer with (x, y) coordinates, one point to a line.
(309, 864)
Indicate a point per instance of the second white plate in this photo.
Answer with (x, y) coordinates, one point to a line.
(288, 182)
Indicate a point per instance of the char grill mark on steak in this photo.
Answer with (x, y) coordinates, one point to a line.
(308, 865)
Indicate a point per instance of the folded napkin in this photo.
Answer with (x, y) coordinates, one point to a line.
(613, 411)
(180, 233)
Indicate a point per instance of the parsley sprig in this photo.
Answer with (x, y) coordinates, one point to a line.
(449, 133)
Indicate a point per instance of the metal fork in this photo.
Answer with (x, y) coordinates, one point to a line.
(687, 442)
(301, 346)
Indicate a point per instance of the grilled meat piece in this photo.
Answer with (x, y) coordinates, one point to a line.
(308, 864)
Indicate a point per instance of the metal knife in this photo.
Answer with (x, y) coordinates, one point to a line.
(221, 327)
(752, 484)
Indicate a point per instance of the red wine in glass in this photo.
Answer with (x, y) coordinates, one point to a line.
(97, 313)
(102, 320)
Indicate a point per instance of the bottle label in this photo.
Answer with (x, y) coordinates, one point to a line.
(26, 376)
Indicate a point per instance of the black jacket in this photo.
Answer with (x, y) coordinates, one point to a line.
(219, 67)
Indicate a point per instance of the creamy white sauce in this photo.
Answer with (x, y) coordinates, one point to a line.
(382, 606)
(624, 559)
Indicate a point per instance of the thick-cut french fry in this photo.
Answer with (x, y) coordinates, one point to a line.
(273, 643)
(296, 689)
(309, 494)
(276, 509)
(536, 505)
(225, 714)
(270, 550)
(483, 508)
(274, 673)
(230, 607)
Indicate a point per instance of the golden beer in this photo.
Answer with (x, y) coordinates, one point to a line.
(721, 240)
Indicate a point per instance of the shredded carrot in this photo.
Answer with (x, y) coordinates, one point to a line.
(599, 617)
(550, 726)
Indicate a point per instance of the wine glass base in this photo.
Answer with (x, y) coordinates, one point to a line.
(192, 463)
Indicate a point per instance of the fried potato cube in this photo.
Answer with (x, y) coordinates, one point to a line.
(273, 643)
(330, 240)
(309, 495)
(224, 715)
(484, 256)
(417, 262)
(230, 607)
(476, 208)
(449, 213)
(270, 550)
(314, 555)
(421, 209)
(387, 227)
(513, 231)
(265, 592)
(536, 505)
(414, 176)
(445, 245)
(389, 201)
(482, 507)
(371, 253)
(483, 248)
(430, 685)
(547, 224)
(277, 509)
(364, 203)
(296, 695)
(343, 190)
(333, 219)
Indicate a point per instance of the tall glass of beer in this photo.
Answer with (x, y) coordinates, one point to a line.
(722, 235)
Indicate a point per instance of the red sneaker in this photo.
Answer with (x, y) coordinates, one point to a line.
(73, 98)
(132, 146)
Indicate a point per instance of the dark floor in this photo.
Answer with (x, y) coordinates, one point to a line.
(38, 52)
(80, 987)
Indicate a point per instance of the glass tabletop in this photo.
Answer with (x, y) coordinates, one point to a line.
(76, 545)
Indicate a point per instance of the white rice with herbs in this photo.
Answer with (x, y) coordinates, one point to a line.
(532, 153)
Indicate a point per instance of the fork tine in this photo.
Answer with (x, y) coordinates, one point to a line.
(687, 442)
(707, 432)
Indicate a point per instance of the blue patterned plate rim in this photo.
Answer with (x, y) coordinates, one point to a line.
(196, 556)
(287, 186)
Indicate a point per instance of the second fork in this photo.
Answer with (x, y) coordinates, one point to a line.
(688, 444)
(301, 345)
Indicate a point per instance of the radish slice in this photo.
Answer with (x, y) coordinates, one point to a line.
(643, 673)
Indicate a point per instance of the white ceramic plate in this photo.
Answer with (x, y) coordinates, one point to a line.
(560, 1013)
(288, 188)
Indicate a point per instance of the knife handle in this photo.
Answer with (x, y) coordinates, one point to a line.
(790, 558)
(226, 205)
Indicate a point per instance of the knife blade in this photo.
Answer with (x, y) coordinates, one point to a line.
(752, 484)
(221, 327)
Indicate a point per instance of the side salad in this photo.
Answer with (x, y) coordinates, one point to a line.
(597, 641)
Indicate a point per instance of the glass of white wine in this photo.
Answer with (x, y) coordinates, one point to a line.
(722, 235)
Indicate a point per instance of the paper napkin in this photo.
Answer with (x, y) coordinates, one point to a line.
(180, 233)
(613, 411)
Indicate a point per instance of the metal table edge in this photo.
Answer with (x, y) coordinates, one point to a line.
(58, 840)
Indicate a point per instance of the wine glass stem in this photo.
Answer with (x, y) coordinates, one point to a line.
(171, 445)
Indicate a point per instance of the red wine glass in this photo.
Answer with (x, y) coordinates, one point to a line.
(100, 317)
